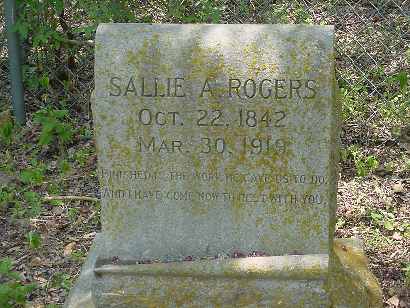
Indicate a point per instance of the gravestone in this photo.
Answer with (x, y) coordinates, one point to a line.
(215, 142)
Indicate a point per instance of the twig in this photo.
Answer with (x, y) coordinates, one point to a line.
(90, 217)
(78, 43)
(81, 198)
(37, 220)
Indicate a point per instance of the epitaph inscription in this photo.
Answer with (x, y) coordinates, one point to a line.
(215, 138)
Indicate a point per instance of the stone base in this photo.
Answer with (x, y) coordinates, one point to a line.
(279, 281)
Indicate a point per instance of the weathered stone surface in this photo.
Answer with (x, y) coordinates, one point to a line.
(192, 164)
(281, 281)
(351, 283)
(215, 138)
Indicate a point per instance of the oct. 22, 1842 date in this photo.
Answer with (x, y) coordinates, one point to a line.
(240, 118)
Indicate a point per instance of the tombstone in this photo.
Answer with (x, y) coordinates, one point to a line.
(217, 157)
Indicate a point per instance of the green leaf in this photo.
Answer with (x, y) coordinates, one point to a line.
(32, 175)
(21, 28)
(5, 266)
(56, 202)
(31, 196)
(59, 114)
(6, 131)
(22, 291)
(403, 80)
(66, 134)
(58, 6)
(34, 240)
(372, 162)
(45, 138)
(44, 81)
(376, 216)
(389, 225)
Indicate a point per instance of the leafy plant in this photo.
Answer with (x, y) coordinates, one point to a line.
(82, 156)
(34, 201)
(353, 106)
(64, 166)
(406, 270)
(384, 219)
(73, 214)
(201, 11)
(6, 197)
(364, 164)
(62, 280)
(6, 132)
(77, 255)
(12, 291)
(33, 240)
(396, 104)
(85, 133)
(53, 126)
(33, 175)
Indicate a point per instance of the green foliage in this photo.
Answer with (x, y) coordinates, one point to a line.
(383, 219)
(33, 175)
(61, 280)
(34, 201)
(49, 25)
(397, 98)
(7, 196)
(105, 11)
(33, 240)
(73, 214)
(53, 126)
(353, 104)
(85, 133)
(82, 155)
(12, 291)
(392, 106)
(406, 163)
(376, 239)
(202, 11)
(364, 164)
(22, 203)
(6, 132)
(77, 256)
(406, 270)
(302, 16)
(387, 220)
(64, 166)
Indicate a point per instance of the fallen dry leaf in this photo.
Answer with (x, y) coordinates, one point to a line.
(36, 261)
(397, 236)
(90, 235)
(398, 187)
(68, 249)
(394, 301)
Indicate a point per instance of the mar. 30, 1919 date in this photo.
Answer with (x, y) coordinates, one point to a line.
(214, 145)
